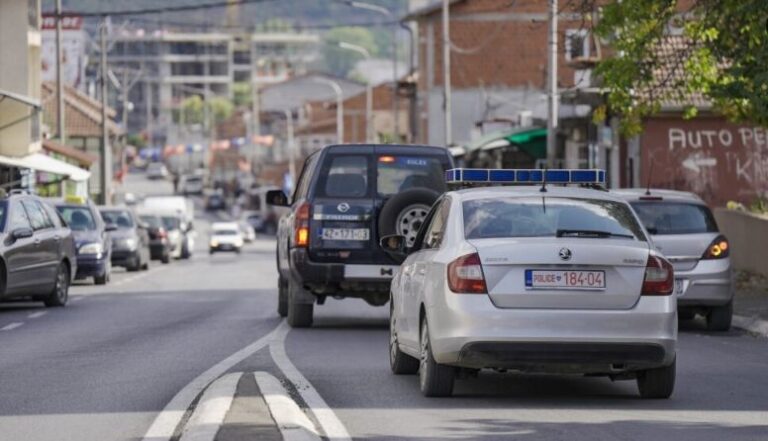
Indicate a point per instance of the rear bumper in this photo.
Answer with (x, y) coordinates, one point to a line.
(709, 283)
(88, 266)
(125, 258)
(225, 247)
(469, 331)
(340, 277)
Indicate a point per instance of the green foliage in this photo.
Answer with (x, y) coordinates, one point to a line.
(242, 95)
(341, 61)
(221, 107)
(723, 58)
(137, 141)
(193, 109)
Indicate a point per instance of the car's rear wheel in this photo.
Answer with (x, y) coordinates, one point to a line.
(299, 314)
(166, 258)
(400, 362)
(436, 380)
(60, 294)
(658, 383)
(102, 279)
(282, 297)
(404, 213)
(719, 317)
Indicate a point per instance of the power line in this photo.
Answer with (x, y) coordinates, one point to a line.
(254, 27)
(181, 8)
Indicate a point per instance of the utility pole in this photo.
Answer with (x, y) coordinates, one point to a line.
(106, 148)
(339, 106)
(553, 98)
(368, 90)
(447, 73)
(60, 130)
(291, 147)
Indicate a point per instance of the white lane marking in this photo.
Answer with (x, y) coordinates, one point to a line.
(162, 429)
(38, 314)
(330, 423)
(10, 326)
(751, 324)
(76, 299)
(210, 412)
(294, 424)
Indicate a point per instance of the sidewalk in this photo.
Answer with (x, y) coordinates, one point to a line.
(750, 305)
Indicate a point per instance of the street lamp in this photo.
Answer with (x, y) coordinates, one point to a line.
(387, 13)
(368, 89)
(339, 106)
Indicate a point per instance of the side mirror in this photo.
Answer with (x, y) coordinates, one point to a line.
(21, 233)
(110, 227)
(394, 244)
(277, 197)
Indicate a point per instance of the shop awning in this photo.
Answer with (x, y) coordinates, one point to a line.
(46, 164)
(532, 140)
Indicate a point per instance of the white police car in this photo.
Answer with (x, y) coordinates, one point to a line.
(534, 278)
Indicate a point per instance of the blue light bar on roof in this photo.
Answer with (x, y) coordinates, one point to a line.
(524, 176)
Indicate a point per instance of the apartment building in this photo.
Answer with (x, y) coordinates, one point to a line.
(175, 65)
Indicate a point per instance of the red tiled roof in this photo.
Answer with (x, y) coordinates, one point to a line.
(82, 113)
(83, 158)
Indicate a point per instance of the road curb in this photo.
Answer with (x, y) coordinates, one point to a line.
(751, 324)
(209, 414)
(293, 423)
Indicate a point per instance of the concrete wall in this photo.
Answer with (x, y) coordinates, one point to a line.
(748, 236)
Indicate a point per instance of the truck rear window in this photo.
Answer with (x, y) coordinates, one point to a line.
(350, 176)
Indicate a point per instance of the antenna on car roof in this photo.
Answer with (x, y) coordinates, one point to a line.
(544, 181)
(648, 178)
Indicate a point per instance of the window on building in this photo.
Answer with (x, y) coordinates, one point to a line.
(576, 44)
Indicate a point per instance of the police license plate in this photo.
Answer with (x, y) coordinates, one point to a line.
(570, 279)
(345, 234)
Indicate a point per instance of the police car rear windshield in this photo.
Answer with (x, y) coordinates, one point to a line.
(661, 217)
(352, 176)
(549, 217)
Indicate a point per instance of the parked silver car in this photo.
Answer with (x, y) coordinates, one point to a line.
(562, 281)
(684, 230)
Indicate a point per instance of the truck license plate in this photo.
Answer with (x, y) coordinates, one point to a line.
(564, 279)
(345, 234)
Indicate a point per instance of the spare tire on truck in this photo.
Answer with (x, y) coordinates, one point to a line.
(404, 213)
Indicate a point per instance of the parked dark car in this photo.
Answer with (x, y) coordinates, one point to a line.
(347, 197)
(215, 201)
(159, 244)
(37, 251)
(130, 241)
(94, 246)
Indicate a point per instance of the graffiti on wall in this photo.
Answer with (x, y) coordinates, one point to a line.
(718, 160)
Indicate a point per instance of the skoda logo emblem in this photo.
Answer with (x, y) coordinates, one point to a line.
(565, 254)
(343, 207)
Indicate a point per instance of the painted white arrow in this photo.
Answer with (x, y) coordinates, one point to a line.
(695, 163)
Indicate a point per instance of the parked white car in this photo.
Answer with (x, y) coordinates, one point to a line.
(558, 281)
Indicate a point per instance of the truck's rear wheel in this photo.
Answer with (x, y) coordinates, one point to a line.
(404, 213)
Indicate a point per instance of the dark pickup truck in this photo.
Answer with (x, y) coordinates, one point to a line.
(347, 197)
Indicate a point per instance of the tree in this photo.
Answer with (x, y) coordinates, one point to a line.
(341, 61)
(721, 57)
(242, 94)
(192, 110)
(221, 108)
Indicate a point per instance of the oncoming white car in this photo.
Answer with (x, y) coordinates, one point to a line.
(534, 278)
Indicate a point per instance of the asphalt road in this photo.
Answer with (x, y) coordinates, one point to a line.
(104, 367)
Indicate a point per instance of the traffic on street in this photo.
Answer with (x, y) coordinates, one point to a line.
(383, 220)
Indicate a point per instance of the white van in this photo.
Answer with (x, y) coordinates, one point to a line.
(178, 206)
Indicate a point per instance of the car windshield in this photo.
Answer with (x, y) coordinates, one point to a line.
(3, 211)
(225, 233)
(152, 221)
(549, 216)
(121, 218)
(661, 217)
(171, 222)
(77, 217)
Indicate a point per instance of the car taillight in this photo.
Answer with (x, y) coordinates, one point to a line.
(465, 275)
(162, 234)
(301, 225)
(659, 277)
(718, 249)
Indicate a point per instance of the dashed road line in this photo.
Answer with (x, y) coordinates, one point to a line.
(11, 326)
(38, 314)
(210, 412)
